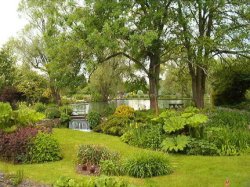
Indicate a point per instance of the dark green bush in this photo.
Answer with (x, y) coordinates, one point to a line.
(93, 154)
(115, 125)
(44, 148)
(202, 147)
(147, 165)
(5, 115)
(102, 181)
(94, 119)
(144, 135)
(53, 112)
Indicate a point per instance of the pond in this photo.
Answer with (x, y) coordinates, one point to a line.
(80, 110)
(83, 108)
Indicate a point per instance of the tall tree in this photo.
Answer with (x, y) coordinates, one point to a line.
(136, 29)
(207, 29)
(46, 45)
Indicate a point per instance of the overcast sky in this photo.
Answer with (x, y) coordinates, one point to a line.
(10, 22)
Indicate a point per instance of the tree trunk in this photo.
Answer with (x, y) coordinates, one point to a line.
(198, 87)
(56, 95)
(154, 72)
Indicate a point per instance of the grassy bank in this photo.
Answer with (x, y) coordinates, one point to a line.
(188, 170)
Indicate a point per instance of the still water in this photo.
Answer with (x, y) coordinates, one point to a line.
(138, 104)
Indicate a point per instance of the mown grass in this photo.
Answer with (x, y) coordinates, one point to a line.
(189, 171)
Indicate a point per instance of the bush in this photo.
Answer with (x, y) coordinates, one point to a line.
(147, 165)
(52, 113)
(27, 116)
(64, 119)
(144, 135)
(175, 144)
(43, 148)
(102, 181)
(40, 107)
(94, 119)
(115, 125)
(111, 167)
(124, 111)
(202, 147)
(66, 109)
(93, 154)
(14, 146)
(5, 115)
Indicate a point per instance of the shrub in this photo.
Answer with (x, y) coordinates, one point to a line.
(43, 148)
(14, 146)
(115, 125)
(40, 107)
(124, 111)
(144, 135)
(147, 165)
(66, 109)
(52, 113)
(5, 115)
(93, 154)
(202, 147)
(94, 119)
(102, 181)
(27, 116)
(110, 167)
(64, 119)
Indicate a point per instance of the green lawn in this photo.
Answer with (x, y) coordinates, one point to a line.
(188, 170)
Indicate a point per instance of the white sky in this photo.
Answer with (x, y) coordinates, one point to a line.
(10, 21)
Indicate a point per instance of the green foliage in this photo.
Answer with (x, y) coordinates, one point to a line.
(102, 181)
(229, 150)
(52, 113)
(201, 147)
(94, 119)
(147, 165)
(27, 116)
(40, 107)
(94, 154)
(144, 135)
(44, 148)
(231, 83)
(111, 167)
(115, 125)
(124, 111)
(64, 119)
(5, 115)
(7, 67)
(228, 130)
(175, 120)
(66, 109)
(175, 144)
(15, 178)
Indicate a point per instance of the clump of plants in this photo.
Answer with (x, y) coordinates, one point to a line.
(102, 181)
(144, 135)
(124, 111)
(53, 112)
(229, 130)
(147, 165)
(27, 145)
(5, 115)
(94, 119)
(89, 158)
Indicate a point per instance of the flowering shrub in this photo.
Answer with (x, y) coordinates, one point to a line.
(124, 111)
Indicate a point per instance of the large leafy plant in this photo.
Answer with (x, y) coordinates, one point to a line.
(5, 115)
(175, 144)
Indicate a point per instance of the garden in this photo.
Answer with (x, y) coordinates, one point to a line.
(125, 93)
